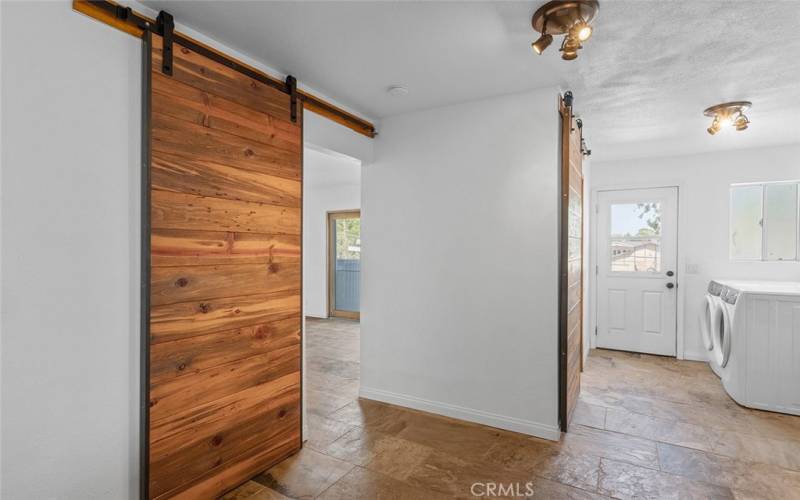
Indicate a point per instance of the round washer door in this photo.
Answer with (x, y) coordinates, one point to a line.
(721, 334)
(710, 303)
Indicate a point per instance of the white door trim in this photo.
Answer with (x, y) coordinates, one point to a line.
(679, 272)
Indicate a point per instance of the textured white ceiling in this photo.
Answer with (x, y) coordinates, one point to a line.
(640, 84)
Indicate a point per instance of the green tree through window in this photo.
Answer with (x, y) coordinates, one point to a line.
(348, 238)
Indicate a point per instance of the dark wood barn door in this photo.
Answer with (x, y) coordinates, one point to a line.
(225, 276)
(571, 287)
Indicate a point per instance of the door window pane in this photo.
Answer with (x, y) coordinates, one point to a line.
(347, 282)
(780, 221)
(746, 222)
(635, 240)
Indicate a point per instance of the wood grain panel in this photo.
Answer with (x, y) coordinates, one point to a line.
(225, 278)
(219, 441)
(243, 467)
(210, 76)
(574, 271)
(181, 429)
(195, 460)
(177, 247)
(185, 211)
(187, 319)
(182, 138)
(202, 108)
(573, 299)
(218, 446)
(169, 360)
(195, 389)
(169, 285)
(207, 178)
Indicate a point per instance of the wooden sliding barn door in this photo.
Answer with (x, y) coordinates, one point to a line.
(571, 284)
(225, 276)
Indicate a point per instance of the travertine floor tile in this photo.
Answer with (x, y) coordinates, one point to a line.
(590, 415)
(661, 429)
(363, 484)
(243, 492)
(366, 413)
(747, 447)
(454, 476)
(323, 403)
(362, 444)
(621, 480)
(451, 436)
(304, 475)
(746, 477)
(545, 489)
(324, 431)
(268, 494)
(645, 427)
(605, 444)
(545, 459)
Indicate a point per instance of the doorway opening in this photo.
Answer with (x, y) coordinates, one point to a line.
(331, 294)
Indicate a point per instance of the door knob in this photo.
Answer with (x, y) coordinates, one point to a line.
(670, 273)
(670, 285)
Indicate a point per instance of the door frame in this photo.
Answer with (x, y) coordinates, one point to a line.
(679, 271)
(330, 216)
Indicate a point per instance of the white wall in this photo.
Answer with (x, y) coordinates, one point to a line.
(330, 183)
(704, 181)
(460, 262)
(324, 135)
(70, 223)
(69, 249)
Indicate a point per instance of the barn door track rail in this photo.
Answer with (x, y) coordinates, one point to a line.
(136, 24)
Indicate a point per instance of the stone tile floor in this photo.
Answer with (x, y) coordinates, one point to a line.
(645, 427)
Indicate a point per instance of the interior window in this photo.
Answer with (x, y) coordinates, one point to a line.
(780, 221)
(635, 237)
(746, 202)
(764, 221)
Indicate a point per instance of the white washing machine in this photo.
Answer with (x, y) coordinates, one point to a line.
(710, 316)
(755, 337)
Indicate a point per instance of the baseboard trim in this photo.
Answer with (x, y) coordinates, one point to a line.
(695, 356)
(529, 427)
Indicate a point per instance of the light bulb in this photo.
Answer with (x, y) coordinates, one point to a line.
(569, 55)
(569, 47)
(582, 30)
(715, 126)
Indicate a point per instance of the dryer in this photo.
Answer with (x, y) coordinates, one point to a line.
(756, 343)
(710, 317)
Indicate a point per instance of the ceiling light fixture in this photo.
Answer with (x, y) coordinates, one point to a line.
(397, 90)
(728, 114)
(564, 17)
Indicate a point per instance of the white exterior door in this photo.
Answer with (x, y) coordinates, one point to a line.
(637, 253)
